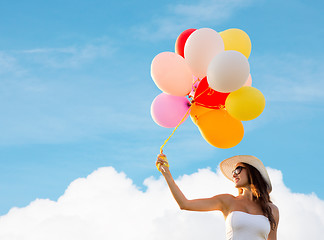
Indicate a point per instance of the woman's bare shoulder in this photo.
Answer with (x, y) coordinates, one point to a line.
(226, 197)
(273, 207)
(227, 201)
(275, 211)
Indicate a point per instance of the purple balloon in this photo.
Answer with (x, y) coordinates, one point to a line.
(168, 110)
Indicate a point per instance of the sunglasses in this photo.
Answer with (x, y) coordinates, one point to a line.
(237, 170)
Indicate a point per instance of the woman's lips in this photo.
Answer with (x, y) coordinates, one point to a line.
(236, 180)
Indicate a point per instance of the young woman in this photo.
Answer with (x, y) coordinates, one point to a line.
(250, 215)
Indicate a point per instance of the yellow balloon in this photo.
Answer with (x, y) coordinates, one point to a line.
(238, 40)
(245, 104)
(196, 111)
(220, 129)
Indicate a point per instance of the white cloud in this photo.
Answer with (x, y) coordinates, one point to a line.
(182, 16)
(107, 205)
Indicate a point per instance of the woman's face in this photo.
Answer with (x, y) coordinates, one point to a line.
(240, 176)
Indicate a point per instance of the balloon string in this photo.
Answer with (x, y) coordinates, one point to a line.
(182, 120)
(211, 91)
(193, 85)
(219, 106)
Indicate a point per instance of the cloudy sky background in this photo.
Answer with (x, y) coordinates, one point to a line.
(78, 145)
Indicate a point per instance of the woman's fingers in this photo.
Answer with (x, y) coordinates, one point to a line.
(161, 162)
(161, 155)
(161, 159)
(158, 164)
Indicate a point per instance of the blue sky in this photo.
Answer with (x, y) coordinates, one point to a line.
(76, 90)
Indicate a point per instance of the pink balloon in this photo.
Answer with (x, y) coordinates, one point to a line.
(248, 81)
(168, 110)
(171, 74)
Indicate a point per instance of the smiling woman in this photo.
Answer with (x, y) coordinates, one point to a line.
(250, 215)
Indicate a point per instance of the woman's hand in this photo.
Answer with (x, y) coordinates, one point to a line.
(162, 164)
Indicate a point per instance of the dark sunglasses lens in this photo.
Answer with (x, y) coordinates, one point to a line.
(238, 170)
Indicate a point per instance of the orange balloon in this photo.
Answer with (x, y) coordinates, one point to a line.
(220, 129)
(196, 111)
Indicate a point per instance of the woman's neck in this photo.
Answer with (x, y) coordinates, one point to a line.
(246, 193)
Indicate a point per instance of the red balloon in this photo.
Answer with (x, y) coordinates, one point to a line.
(208, 97)
(181, 41)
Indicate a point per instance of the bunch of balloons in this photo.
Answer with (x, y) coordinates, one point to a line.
(207, 77)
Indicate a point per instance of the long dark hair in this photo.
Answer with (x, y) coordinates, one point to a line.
(260, 193)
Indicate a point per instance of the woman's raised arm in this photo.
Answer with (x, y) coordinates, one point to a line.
(219, 202)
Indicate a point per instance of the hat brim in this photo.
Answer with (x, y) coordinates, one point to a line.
(228, 165)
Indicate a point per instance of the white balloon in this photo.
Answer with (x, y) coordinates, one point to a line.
(228, 71)
(200, 48)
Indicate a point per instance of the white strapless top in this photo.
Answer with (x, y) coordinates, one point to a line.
(245, 226)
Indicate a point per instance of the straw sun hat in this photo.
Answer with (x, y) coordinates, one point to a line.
(228, 165)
